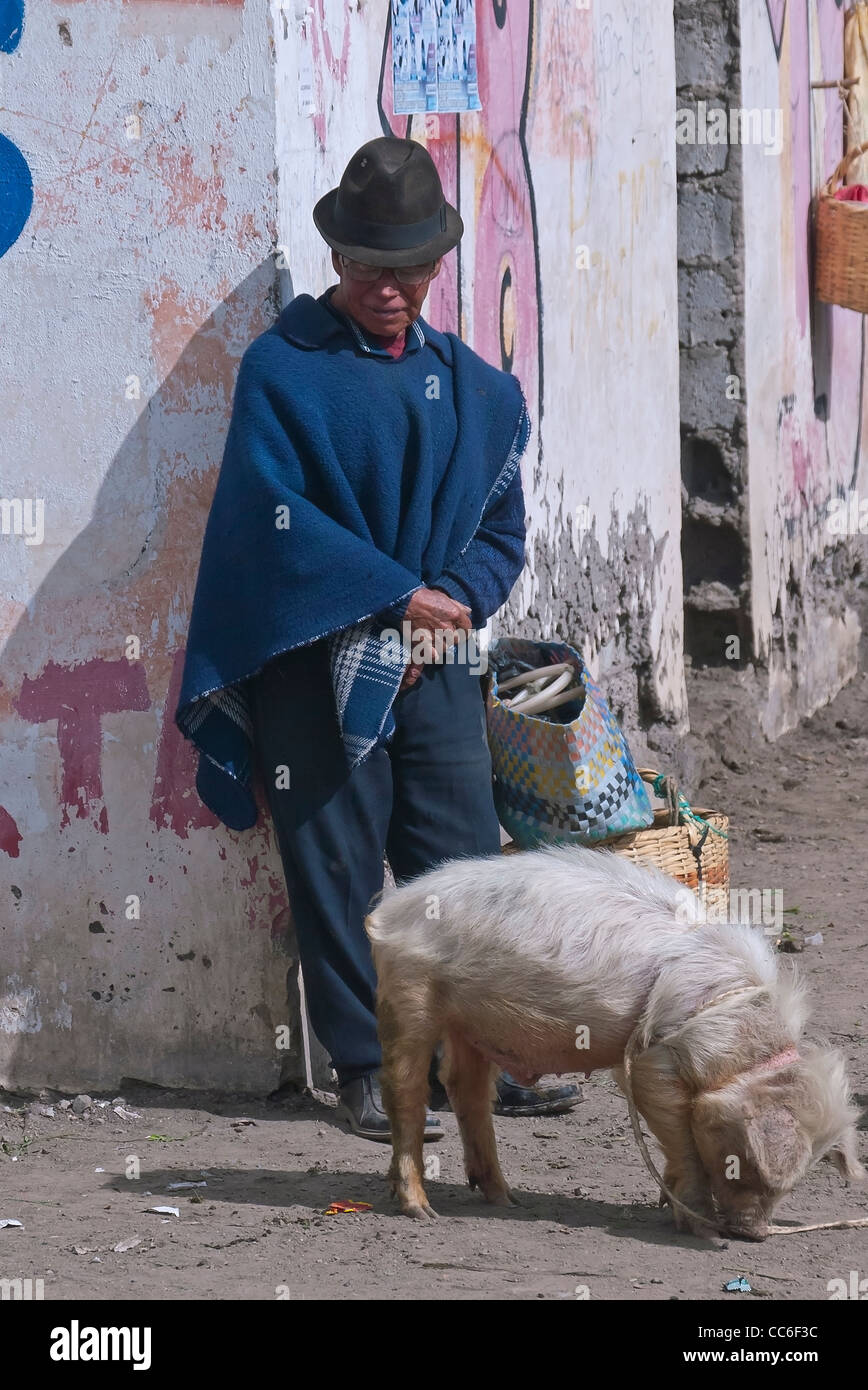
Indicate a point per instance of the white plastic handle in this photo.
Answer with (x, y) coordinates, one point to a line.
(539, 699)
(549, 699)
(527, 677)
(534, 690)
(556, 689)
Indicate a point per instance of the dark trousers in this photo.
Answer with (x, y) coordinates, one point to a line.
(424, 798)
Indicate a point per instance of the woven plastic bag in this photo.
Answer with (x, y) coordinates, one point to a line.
(566, 783)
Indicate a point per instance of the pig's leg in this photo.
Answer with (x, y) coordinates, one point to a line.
(662, 1099)
(408, 1039)
(469, 1080)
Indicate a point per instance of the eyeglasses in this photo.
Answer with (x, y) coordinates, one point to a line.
(404, 274)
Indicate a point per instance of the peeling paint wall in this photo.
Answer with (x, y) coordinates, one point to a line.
(171, 149)
(807, 412)
(604, 548)
(126, 300)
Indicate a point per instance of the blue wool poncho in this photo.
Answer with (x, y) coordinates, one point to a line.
(346, 483)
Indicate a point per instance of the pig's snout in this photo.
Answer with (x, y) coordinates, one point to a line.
(744, 1227)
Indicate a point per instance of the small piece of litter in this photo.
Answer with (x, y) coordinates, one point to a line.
(124, 1245)
(99, 1170)
(9, 1221)
(340, 1208)
(126, 1114)
(176, 1186)
(815, 940)
(166, 1211)
(787, 944)
(738, 1286)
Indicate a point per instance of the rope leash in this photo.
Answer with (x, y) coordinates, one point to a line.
(675, 1202)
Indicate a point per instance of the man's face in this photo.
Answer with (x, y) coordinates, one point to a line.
(385, 306)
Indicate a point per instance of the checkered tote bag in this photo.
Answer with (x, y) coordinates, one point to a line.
(570, 783)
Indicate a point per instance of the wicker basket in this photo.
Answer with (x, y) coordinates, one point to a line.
(693, 851)
(841, 275)
(696, 852)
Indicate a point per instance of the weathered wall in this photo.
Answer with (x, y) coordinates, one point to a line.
(604, 498)
(127, 299)
(146, 260)
(807, 413)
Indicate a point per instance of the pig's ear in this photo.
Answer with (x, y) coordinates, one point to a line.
(778, 1146)
(845, 1157)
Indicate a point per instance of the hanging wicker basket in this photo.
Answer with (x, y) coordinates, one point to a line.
(841, 275)
(690, 844)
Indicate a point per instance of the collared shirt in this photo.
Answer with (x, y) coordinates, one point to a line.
(414, 337)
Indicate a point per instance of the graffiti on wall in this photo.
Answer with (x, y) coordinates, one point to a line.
(506, 324)
(16, 183)
(777, 10)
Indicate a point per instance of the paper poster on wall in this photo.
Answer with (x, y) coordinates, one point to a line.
(456, 56)
(434, 56)
(414, 56)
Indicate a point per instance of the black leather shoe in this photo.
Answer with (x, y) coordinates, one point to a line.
(513, 1099)
(360, 1103)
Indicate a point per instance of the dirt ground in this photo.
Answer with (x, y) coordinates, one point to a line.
(588, 1224)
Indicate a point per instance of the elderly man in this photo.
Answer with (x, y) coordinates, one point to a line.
(370, 484)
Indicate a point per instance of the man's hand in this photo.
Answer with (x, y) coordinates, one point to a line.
(435, 611)
(432, 611)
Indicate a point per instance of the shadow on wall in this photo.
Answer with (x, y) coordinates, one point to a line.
(132, 572)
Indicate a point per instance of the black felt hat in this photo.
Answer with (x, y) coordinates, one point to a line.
(389, 207)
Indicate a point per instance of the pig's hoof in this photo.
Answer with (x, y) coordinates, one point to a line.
(499, 1197)
(421, 1211)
